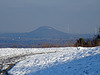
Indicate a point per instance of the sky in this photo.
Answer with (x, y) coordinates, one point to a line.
(70, 16)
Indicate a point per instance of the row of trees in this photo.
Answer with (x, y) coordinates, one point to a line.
(90, 42)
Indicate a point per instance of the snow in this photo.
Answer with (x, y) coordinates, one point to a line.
(61, 61)
(11, 52)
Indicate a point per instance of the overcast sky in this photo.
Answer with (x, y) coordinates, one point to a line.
(80, 16)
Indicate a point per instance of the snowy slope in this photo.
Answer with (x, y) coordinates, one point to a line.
(11, 52)
(66, 61)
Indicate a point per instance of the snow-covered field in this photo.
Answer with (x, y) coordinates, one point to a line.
(11, 52)
(55, 61)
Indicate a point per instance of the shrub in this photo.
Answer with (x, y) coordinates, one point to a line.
(80, 42)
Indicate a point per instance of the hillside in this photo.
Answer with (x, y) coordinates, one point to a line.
(55, 61)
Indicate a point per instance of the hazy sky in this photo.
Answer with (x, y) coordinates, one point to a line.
(81, 16)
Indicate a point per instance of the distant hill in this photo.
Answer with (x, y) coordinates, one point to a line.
(47, 32)
(42, 35)
(44, 32)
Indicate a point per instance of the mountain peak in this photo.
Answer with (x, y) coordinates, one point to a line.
(48, 32)
(45, 27)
